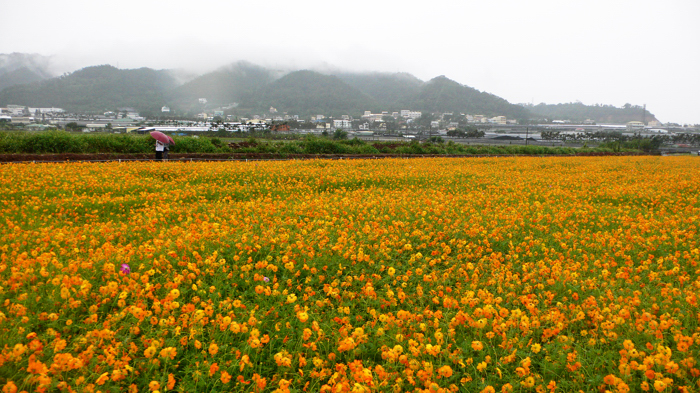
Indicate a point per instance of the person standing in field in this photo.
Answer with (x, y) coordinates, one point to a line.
(160, 148)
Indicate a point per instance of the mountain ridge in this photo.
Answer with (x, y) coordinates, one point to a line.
(246, 89)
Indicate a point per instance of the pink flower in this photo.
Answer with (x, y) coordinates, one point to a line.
(266, 279)
(125, 268)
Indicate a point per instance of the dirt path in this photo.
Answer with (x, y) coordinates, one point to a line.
(65, 157)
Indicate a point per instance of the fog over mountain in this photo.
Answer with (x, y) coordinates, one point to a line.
(540, 51)
(22, 68)
(245, 89)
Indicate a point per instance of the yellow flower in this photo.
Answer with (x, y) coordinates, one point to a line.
(660, 386)
(149, 352)
(303, 316)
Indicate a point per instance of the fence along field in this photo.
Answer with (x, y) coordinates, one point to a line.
(433, 275)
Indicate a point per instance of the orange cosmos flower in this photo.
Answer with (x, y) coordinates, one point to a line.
(154, 385)
(213, 369)
(9, 387)
(445, 371)
(36, 367)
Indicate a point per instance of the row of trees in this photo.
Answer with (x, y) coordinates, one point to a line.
(615, 136)
(597, 136)
(618, 141)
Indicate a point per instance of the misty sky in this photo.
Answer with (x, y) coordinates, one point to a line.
(607, 52)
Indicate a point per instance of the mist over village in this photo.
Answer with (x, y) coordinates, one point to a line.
(243, 96)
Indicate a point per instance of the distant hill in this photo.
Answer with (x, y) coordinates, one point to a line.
(22, 68)
(392, 92)
(96, 89)
(445, 95)
(578, 112)
(310, 93)
(221, 87)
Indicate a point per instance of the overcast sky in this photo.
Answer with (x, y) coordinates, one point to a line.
(594, 51)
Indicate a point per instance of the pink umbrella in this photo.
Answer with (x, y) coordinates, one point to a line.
(159, 136)
(171, 139)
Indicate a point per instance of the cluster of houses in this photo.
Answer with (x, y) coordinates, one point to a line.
(22, 115)
(42, 118)
(127, 119)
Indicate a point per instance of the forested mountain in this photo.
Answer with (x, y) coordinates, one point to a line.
(254, 89)
(309, 93)
(22, 68)
(441, 94)
(392, 92)
(96, 89)
(578, 112)
(222, 87)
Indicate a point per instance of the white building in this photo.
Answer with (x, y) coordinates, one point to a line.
(369, 116)
(14, 110)
(498, 120)
(165, 109)
(134, 116)
(202, 100)
(46, 110)
(635, 125)
(342, 123)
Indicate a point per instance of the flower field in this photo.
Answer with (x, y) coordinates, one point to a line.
(432, 275)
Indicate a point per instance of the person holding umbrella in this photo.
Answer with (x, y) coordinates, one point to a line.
(160, 148)
(162, 141)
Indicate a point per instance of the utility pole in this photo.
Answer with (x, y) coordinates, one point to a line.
(644, 114)
(527, 134)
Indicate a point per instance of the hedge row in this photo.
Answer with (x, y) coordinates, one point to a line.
(63, 142)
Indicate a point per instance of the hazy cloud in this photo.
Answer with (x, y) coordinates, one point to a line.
(550, 51)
